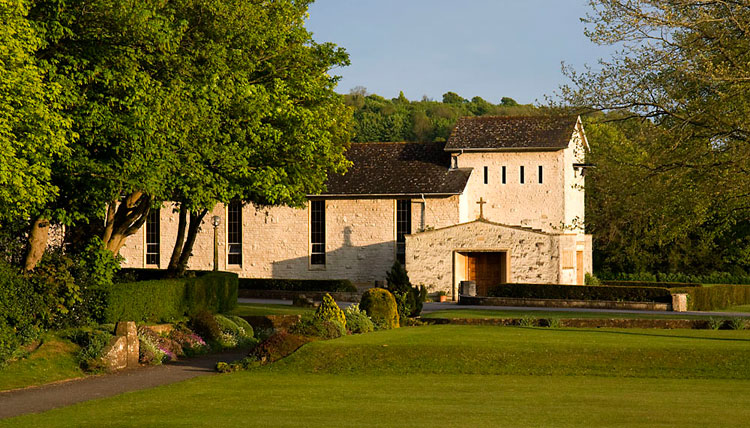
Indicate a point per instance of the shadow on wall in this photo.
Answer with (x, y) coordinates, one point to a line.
(357, 263)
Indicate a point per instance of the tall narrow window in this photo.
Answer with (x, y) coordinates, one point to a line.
(521, 175)
(234, 233)
(486, 175)
(403, 228)
(317, 232)
(503, 178)
(541, 174)
(152, 237)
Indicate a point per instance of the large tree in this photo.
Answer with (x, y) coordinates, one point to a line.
(33, 133)
(682, 74)
(266, 125)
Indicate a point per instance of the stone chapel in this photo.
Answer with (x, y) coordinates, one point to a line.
(502, 201)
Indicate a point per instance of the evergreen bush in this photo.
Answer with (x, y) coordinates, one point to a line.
(380, 305)
(409, 300)
(330, 311)
(357, 320)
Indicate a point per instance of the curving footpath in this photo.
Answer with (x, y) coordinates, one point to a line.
(46, 397)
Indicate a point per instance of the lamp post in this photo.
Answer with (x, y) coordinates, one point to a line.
(216, 221)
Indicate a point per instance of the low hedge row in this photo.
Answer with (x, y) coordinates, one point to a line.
(650, 284)
(338, 285)
(582, 292)
(709, 278)
(715, 297)
(170, 299)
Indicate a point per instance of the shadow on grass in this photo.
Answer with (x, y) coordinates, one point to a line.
(629, 333)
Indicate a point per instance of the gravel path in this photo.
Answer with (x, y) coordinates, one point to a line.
(47, 397)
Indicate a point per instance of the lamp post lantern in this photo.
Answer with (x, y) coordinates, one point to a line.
(216, 221)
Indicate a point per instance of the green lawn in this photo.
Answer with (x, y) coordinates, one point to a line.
(488, 313)
(54, 360)
(472, 376)
(257, 309)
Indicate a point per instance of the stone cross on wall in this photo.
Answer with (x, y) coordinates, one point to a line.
(481, 203)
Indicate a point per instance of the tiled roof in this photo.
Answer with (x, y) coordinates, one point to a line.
(398, 168)
(512, 132)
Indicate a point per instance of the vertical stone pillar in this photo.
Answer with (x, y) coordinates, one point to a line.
(129, 331)
(679, 302)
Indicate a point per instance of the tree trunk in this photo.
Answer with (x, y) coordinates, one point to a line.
(179, 242)
(38, 237)
(187, 249)
(124, 218)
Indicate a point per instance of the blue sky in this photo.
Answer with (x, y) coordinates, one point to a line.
(489, 48)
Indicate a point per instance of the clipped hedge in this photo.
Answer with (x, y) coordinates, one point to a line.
(708, 278)
(336, 285)
(170, 299)
(650, 284)
(582, 292)
(715, 297)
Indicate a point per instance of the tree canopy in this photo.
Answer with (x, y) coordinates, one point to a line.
(670, 191)
(196, 101)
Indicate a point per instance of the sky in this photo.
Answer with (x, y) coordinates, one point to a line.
(486, 48)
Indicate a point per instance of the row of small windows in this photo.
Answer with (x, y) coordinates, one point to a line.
(521, 175)
(317, 233)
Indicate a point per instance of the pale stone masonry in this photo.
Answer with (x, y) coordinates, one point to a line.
(530, 232)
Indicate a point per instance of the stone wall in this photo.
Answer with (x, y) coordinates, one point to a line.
(360, 239)
(430, 256)
(530, 204)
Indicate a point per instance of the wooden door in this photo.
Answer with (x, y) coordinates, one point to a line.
(579, 267)
(486, 269)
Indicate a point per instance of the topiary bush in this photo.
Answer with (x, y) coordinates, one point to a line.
(357, 320)
(330, 311)
(380, 305)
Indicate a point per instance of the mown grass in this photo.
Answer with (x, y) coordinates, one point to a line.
(257, 309)
(459, 376)
(52, 361)
(491, 313)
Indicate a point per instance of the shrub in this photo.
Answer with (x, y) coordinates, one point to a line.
(191, 343)
(330, 311)
(528, 321)
(715, 323)
(171, 299)
(650, 284)
(232, 334)
(312, 326)
(590, 279)
(737, 323)
(577, 292)
(206, 326)
(409, 300)
(357, 320)
(243, 324)
(278, 346)
(333, 285)
(92, 343)
(20, 307)
(710, 278)
(715, 297)
(380, 305)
